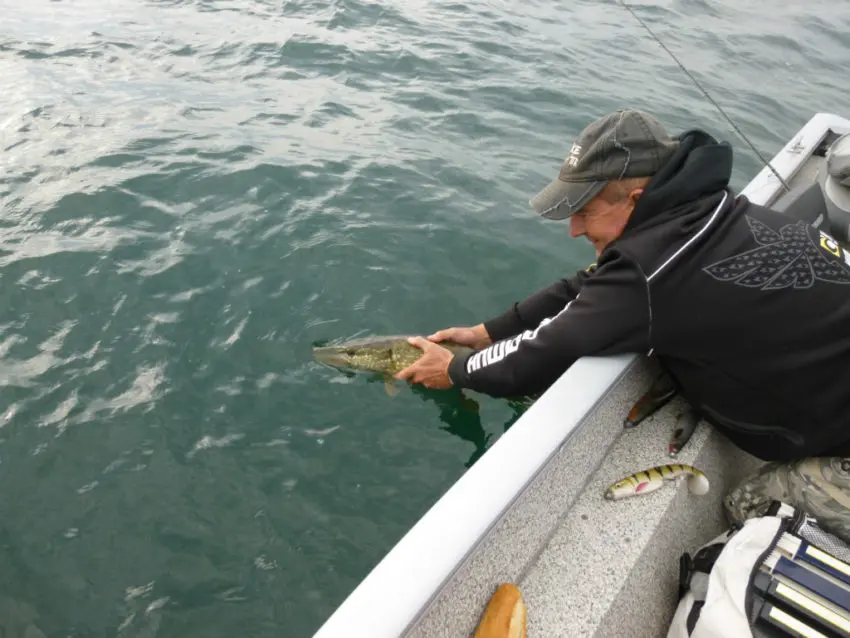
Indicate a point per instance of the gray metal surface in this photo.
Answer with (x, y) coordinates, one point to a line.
(587, 566)
(611, 569)
(512, 547)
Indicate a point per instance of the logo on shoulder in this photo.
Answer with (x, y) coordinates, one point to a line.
(831, 246)
(788, 258)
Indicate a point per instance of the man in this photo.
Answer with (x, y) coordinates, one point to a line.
(746, 308)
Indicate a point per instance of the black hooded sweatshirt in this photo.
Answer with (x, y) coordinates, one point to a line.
(747, 308)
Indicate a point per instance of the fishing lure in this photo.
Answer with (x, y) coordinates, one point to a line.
(653, 478)
(686, 424)
(660, 392)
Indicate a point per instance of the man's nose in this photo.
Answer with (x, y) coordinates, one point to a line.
(576, 225)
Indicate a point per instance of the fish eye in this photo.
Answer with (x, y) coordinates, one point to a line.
(350, 352)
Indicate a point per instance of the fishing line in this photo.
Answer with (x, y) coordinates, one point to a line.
(710, 99)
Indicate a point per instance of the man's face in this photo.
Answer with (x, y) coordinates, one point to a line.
(603, 220)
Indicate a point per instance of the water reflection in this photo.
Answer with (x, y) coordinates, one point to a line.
(19, 617)
(461, 415)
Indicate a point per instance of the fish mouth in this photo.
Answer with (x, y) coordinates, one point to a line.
(331, 356)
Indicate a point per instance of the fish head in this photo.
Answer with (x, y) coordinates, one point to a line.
(346, 357)
(621, 489)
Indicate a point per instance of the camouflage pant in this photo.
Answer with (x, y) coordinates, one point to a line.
(818, 486)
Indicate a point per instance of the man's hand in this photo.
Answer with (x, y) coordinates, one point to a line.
(432, 368)
(475, 337)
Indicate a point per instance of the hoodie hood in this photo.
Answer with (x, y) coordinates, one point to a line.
(700, 167)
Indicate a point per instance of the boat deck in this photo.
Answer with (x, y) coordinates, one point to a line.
(587, 566)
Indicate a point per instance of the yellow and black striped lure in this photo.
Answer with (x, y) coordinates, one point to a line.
(653, 478)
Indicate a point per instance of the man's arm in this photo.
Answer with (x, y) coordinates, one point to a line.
(547, 302)
(610, 315)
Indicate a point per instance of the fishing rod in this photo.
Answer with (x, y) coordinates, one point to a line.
(704, 92)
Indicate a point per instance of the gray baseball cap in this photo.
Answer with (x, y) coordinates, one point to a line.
(622, 144)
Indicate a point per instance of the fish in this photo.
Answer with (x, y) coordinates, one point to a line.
(384, 355)
(653, 478)
(660, 392)
(505, 615)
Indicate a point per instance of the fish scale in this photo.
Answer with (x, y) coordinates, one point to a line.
(387, 355)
